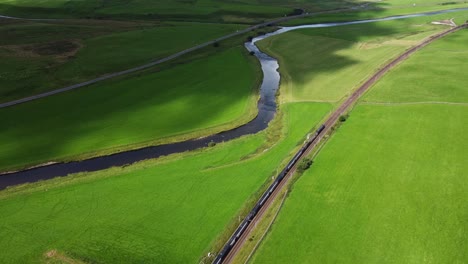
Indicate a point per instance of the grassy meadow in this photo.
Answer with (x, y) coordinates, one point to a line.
(40, 56)
(126, 120)
(390, 185)
(435, 75)
(242, 11)
(326, 64)
(381, 9)
(178, 208)
(188, 100)
(168, 210)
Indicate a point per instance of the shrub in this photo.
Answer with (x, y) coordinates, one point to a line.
(343, 118)
(211, 144)
(304, 165)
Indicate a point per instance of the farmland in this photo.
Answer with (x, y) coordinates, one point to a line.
(390, 185)
(125, 214)
(135, 111)
(40, 56)
(73, 134)
(446, 84)
(381, 9)
(336, 60)
(246, 11)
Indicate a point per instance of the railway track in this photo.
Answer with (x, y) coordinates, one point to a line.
(238, 239)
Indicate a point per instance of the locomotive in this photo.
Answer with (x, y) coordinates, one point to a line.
(243, 226)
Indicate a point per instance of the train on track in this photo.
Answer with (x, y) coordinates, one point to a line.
(253, 213)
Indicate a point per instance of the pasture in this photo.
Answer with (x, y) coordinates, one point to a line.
(390, 185)
(169, 210)
(326, 64)
(436, 74)
(197, 98)
(330, 64)
(375, 193)
(381, 9)
(40, 56)
(207, 10)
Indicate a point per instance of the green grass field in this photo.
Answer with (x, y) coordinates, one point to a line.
(180, 115)
(185, 101)
(40, 56)
(435, 75)
(328, 63)
(162, 9)
(382, 9)
(176, 209)
(390, 185)
(245, 11)
(168, 210)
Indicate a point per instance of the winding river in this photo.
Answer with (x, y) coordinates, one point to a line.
(266, 111)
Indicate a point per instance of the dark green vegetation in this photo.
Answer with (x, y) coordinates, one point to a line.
(187, 10)
(226, 11)
(40, 56)
(164, 211)
(189, 100)
(390, 186)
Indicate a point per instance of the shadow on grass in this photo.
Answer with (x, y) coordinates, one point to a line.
(314, 57)
(202, 94)
(182, 10)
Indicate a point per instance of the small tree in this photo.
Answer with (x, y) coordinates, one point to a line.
(343, 118)
(211, 144)
(216, 44)
(304, 165)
